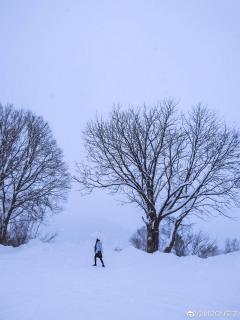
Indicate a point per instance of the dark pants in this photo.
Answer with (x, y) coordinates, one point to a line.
(98, 255)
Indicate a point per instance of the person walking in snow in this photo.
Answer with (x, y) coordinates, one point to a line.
(98, 252)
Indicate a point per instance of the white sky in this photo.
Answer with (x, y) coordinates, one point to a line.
(68, 60)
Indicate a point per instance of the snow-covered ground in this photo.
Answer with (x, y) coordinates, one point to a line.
(57, 282)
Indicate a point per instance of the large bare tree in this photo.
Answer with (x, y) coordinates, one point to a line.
(168, 164)
(33, 176)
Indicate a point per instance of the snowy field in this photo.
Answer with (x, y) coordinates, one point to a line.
(57, 282)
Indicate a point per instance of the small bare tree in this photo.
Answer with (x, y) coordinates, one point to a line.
(188, 242)
(201, 245)
(33, 176)
(232, 245)
(139, 239)
(168, 164)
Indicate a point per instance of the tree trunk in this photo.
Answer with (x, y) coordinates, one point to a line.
(169, 248)
(4, 231)
(153, 237)
(3, 235)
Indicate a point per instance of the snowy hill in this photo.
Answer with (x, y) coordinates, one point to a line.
(57, 282)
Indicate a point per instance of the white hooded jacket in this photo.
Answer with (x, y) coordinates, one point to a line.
(99, 246)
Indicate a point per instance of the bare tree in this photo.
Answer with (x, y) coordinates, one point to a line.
(201, 245)
(211, 168)
(232, 245)
(19, 233)
(187, 242)
(167, 164)
(33, 176)
(139, 239)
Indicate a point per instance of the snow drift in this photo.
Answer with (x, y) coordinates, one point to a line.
(57, 282)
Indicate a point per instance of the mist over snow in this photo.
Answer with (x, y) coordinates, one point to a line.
(70, 60)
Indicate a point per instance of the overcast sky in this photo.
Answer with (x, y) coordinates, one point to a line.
(68, 60)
